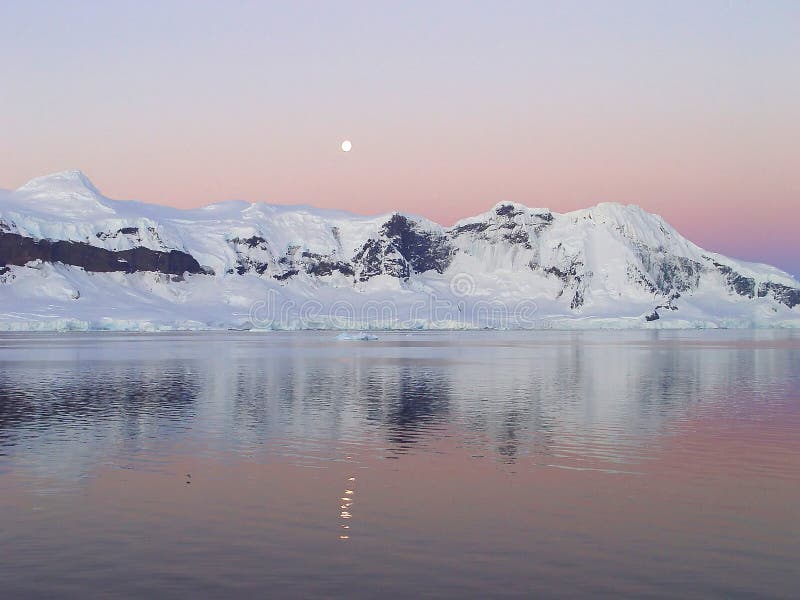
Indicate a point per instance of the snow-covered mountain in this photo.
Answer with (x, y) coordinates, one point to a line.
(72, 258)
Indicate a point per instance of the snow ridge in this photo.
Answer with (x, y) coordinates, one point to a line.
(72, 258)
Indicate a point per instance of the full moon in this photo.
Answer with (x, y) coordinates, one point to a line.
(347, 145)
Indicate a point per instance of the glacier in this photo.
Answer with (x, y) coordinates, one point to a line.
(73, 259)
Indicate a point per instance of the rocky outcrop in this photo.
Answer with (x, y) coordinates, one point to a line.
(669, 272)
(322, 265)
(16, 249)
(508, 223)
(253, 255)
(380, 257)
(402, 248)
(606, 260)
(636, 276)
(782, 293)
(423, 250)
(744, 286)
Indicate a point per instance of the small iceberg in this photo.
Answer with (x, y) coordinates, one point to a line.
(358, 336)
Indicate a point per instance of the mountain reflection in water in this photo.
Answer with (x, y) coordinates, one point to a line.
(555, 463)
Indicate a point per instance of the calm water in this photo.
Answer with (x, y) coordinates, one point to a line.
(426, 465)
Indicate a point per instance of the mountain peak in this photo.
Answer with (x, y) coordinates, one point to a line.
(68, 194)
(71, 183)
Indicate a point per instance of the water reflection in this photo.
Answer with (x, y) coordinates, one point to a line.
(249, 465)
(558, 397)
(61, 418)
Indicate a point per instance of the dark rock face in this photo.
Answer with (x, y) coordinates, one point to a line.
(470, 228)
(744, 286)
(577, 300)
(243, 267)
(254, 255)
(322, 265)
(635, 275)
(126, 231)
(677, 273)
(377, 257)
(6, 275)
(286, 274)
(668, 272)
(518, 236)
(546, 217)
(567, 275)
(559, 273)
(19, 250)
(670, 305)
(403, 247)
(507, 210)
(246, 263)
(782, 293)
(572, 278)
(424, 250)
(502, 226)
(255, 241)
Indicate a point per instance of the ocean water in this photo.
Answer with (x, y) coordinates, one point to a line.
(437, 465)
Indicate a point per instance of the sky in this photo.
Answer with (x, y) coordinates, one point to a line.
(688, 109)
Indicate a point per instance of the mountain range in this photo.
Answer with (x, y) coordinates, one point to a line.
(70, 258)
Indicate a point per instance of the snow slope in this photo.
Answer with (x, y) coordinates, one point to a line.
(72, 258)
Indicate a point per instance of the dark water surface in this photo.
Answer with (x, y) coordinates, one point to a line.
(638, 464)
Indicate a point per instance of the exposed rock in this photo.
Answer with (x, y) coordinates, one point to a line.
(519, 237)
(577, 300)
(504, 226)
(641, 262)
(782, 293)
(670, 305)
(470, 228)
(670, 272)
(636, 275)
(255, 241)
(322, 265)
(380, 256)
(286, 274)
(507, 210)
(423, 250)
(104, 235)
(744, 286)
(557, 272)
(19, 250)
(253, 255)
(572, 277)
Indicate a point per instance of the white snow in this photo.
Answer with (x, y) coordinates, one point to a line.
(509, 285)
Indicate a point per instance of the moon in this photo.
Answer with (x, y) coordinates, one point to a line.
(347, 145)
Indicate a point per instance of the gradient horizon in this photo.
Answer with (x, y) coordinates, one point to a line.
(690, 111)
